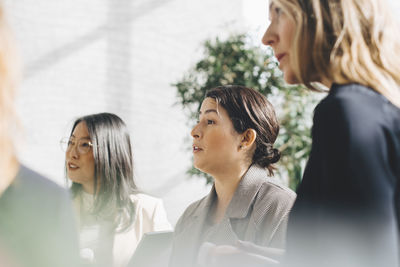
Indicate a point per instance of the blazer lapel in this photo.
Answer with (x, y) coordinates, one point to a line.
(187, 240)
(243, 200)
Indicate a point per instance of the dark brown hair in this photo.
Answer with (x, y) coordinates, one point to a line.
(113, 159)
(248, 109)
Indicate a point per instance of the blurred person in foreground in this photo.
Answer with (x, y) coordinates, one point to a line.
(37, 227)
(233, 142)
(348, 205)
(113, 214)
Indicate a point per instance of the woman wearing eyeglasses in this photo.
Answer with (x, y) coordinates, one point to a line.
(113, 214)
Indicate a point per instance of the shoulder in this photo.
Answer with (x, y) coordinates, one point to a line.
(145, 201)
(141, 197)
(41, 200)
(40, 188)
(267, 189)
(150, 210)
(270, 197)
(352, 102)
(190, 212)
(274, 197)
(354, 113)
(270, 212)
(44, 206)
(28, 176)
(272, 188)
(195, 206)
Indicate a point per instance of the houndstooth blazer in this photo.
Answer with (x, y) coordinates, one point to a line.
(258, 212)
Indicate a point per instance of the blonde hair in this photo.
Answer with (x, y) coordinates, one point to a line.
(9, 76)
(346, 41)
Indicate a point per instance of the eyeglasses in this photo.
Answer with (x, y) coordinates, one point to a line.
(83, 145)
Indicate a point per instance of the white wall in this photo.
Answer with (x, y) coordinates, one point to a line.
(90, 56)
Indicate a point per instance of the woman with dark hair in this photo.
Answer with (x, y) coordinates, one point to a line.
(233, 142)
(113, 214)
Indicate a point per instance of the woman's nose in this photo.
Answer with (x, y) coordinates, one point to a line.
(195, 133)
(72, 152)
(270, 37)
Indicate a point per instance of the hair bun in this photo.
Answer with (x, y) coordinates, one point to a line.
(276, 155)
(272, 153)
(266, 155)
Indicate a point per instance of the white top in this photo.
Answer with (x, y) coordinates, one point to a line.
(100, 246)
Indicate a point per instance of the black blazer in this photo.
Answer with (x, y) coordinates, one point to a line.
(348, 204)
(37, 227)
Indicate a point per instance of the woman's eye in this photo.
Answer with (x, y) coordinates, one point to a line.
(210, 122)
(85, 145)
(70, 143)
(278, 10)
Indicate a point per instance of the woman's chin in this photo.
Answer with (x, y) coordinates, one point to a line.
(288, 75)
(197, 167)
(290, 79)
(74, 179)
(200, 167)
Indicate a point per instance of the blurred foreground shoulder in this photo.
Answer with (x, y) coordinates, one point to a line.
(35, 201)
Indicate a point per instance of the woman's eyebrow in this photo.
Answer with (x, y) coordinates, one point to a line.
(209, 111)
(85, 137)
(271, 5)
(270, 10)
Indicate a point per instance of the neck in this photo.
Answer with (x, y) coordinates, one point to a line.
(225, 186)
(88, 189)
(89, 186)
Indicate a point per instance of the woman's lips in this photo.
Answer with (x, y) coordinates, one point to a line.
(196, 149)
(280, 56)
(72, 166)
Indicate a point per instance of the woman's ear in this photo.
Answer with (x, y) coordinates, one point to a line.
(248, 138)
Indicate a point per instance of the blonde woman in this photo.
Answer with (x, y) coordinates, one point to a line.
(348, 204)
(347, 210)
(36, 222)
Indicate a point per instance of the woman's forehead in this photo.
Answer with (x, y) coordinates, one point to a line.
(207, 103)
(273, 3)
(81, 130)
(210, 105)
